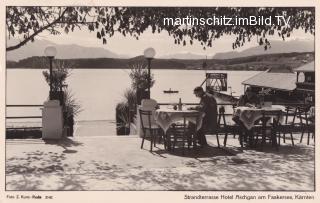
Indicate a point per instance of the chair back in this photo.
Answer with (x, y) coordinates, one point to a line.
(148, 104)
(221, 115)
(145, 118)
(303, 111)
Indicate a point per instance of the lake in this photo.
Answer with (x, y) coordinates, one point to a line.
(99, 90)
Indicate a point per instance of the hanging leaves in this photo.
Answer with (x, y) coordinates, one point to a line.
(134, 21)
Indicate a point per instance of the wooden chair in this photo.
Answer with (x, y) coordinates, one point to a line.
(226, 128)
(183, 132)
(301, 122)
(148, 127)
(268, 131)
(288, 126)
(306, 122)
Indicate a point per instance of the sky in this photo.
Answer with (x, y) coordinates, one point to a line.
(162, 42)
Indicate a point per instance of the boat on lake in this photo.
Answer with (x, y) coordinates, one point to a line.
(170, 91)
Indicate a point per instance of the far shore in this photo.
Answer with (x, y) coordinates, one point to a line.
(250, 63)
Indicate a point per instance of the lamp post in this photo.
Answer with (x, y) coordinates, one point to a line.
(50, 52)
(149, 53)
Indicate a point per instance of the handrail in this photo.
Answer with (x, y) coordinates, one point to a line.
(23, 128)
(219, 104)
(22, 117)
(195, 104)
(24, 105)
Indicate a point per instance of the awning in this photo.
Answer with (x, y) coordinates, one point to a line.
(309, 67)
(273, 80)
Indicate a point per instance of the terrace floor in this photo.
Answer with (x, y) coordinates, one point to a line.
(118, 163)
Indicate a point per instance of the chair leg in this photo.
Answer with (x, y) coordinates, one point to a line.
(183, 140)
(160, 136)
(284, 137)
(291, 139)
(263, 142)
(152, 139)
(194, 140)
(225, 139)
(168, 141)
(143, 137)
(301, 136)
(275, 141)
(174, 143)
(241, 139)
(218, 142)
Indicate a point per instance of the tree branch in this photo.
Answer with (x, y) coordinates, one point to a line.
(35, 33)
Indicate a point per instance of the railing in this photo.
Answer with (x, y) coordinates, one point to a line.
(23, 117)
(194, 104)
(233, 105)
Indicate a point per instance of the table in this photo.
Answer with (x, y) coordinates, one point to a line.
(165, 117)
(249, 115)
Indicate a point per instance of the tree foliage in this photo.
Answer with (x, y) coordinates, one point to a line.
(28, 22)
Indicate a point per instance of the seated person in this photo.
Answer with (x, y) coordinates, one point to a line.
(208, 105)
(248, 99)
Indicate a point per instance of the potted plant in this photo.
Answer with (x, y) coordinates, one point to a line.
(125, 112)
(60, 73)
(70, 110)
(122, 118)
(139, 77)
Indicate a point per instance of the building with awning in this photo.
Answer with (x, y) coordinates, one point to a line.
(283, 79)
(286, 83)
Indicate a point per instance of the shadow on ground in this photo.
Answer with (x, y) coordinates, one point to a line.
(210, 168)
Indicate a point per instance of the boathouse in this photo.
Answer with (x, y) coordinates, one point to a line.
(286, 83)
(282, 82)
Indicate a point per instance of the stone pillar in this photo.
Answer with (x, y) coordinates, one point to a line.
(52, 120)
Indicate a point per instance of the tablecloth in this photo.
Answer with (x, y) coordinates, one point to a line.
(165, 117)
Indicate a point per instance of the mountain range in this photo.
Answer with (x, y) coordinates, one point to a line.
(73, 51)
(69, 51)
(184, 55)
(296, 45)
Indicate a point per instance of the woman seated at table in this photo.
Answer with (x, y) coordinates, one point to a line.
(249, 98)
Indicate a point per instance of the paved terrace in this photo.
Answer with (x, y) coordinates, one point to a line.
(118, 163)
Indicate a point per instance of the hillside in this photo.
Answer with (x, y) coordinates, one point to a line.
(260, 62)
(65, 51)
(276, 47)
